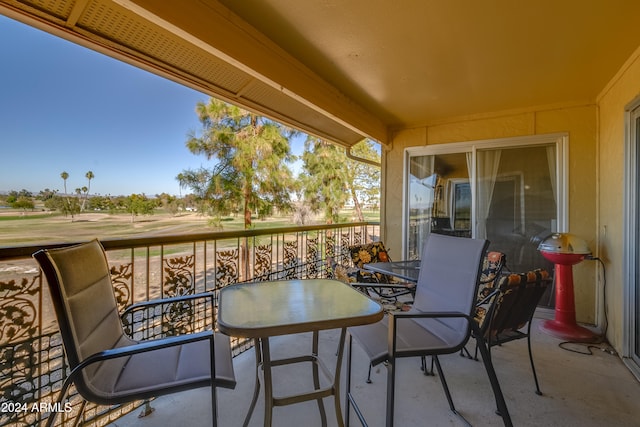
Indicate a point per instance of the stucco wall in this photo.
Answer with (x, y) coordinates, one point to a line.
(612, 101)
(581, 124)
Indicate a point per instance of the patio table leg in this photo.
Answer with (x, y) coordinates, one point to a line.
(336, 378)
(256, 388)
(316, 377)
(263, 358)
(268, 386)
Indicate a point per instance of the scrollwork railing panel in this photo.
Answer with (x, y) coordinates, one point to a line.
(178, 276)
(227, 263)
(312, 257)
(263, 262)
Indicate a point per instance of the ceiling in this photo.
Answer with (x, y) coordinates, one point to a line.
(345, 70)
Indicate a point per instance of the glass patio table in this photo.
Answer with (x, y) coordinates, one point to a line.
(265, 309)
(406, 270)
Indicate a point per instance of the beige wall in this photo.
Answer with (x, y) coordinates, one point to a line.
(580, 122)
(611, 102)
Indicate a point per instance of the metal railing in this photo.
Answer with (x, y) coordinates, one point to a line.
(33, 364)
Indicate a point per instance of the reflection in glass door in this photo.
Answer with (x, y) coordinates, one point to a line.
(438, 198)
(506, 191)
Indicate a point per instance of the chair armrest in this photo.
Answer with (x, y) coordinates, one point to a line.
(151, 303)
(141, 347)
(430, 314)
(406, 285)
(394, 316)
(425, 315)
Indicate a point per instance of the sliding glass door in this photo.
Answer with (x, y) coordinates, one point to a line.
(631, 336)
(510, 192)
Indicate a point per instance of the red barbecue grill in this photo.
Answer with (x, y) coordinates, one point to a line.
(565, 250)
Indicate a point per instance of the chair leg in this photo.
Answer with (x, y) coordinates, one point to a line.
(493, 379)
(443, 381)
(391, 388)
(214, 396)
(80, 412)
(63, 393)
(423, 366)
(533, 366)
(465, 353)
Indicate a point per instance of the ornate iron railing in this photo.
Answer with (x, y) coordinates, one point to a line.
(33, 364)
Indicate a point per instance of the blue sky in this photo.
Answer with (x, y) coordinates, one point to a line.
(67, 108)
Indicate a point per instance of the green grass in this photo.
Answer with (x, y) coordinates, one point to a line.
(37, 228)
(23, 217)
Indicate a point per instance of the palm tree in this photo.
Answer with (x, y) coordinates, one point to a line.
(89, 175)
(69, 207)
(64, 175)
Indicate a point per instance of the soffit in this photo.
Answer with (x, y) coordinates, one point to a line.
(344, 70)
(127, 32)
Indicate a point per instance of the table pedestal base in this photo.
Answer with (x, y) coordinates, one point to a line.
(263, 359)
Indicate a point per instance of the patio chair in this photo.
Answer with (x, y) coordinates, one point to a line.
(440, 321)
(376, 285)
(107, 366)
(503, 314)
(492, 266)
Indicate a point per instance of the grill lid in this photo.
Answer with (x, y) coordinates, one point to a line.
(564, 243)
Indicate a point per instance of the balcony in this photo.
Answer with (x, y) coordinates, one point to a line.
(578, 389)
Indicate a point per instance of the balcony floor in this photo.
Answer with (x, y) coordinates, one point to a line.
(579, 390)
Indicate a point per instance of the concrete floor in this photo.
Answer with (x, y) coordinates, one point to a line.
(578, 390)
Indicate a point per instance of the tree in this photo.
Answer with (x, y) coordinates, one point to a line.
(363, 179)
(89, 175)
(139, 204)
(100, 203)
(69, 207)
(24, 203)
(64, 175)
(14, 195)
(169, 202)
(324, 177)
(251, 154)
(55, 203)
(46, 194)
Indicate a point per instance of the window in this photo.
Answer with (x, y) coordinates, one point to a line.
(509, 191)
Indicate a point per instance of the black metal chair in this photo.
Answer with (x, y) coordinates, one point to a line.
(376, 285)
(492, 266)
(440, 321)
(504, 313)
(107, 366)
